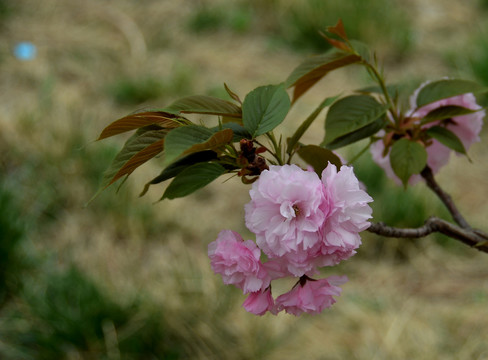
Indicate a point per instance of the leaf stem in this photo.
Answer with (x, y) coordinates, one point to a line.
(359, 154)
(305, 125)
(277, 147)
(381, 82)
(271, 152)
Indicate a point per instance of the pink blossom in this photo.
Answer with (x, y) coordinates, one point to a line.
(299, 262)
(238, 262)
(276, 269)
(349, 210)
(377, 149)
(311, 296)
(466, 127)
(301, 223)
(346, 210)
(287, 209)
(339, 234)
(260, 302)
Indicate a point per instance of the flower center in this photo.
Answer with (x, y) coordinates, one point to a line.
(289, 211)
(296, 209)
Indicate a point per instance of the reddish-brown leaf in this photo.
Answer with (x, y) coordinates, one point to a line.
(135, 121)
(217, 140)
(312, 70)
(341, 45)
(138, 159)
(338, 30)
(232, 94)
(203, 104)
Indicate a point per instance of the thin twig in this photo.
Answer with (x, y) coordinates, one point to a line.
(445, 197)
(468, 236)
(472, 237)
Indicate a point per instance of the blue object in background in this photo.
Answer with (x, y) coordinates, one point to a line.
(25, 50)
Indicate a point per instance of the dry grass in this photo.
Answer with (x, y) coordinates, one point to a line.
(431, 306)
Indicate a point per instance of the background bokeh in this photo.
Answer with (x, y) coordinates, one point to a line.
(128, 277)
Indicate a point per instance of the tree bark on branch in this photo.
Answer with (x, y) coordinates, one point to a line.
(462, 231)
(468, 236)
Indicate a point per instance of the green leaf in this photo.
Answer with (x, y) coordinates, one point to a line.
(178, 166)
(138, 120)
(446, 88)
(306, 124)
(392, 90)
(239, 131)
(446, 112)
(350, 114)
(319, 157)
(357, 135)
(202, 104)
(264, 108)
(147, 128)
(193, 178)
(407, 158)
(447, 138)
(193, 138)
(308, 73)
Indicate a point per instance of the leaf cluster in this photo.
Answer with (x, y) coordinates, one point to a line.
(363, 115)
(194, 154)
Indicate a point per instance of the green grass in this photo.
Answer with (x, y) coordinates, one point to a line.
(380, 23)
(54, 309)
(212, 18)
(297, 24)
(63, 313)
(136, 90)
(12, 233)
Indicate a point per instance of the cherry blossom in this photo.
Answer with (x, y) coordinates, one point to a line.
(466, 127)
(301, 223)
(287, 209)
(238, 262)
(311, 296)
(346, 210)
(260, 302)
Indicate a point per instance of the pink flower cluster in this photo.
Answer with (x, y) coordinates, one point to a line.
(301, 223)
(465, 127)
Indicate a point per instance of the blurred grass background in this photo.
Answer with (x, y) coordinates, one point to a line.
(125, 278)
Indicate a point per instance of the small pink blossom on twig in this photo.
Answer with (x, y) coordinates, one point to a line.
(311, 296)
(260, 302)
(238, 262)
(466, 127)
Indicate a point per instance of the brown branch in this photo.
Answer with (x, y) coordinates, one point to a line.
(470, 237)
(445, 197)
